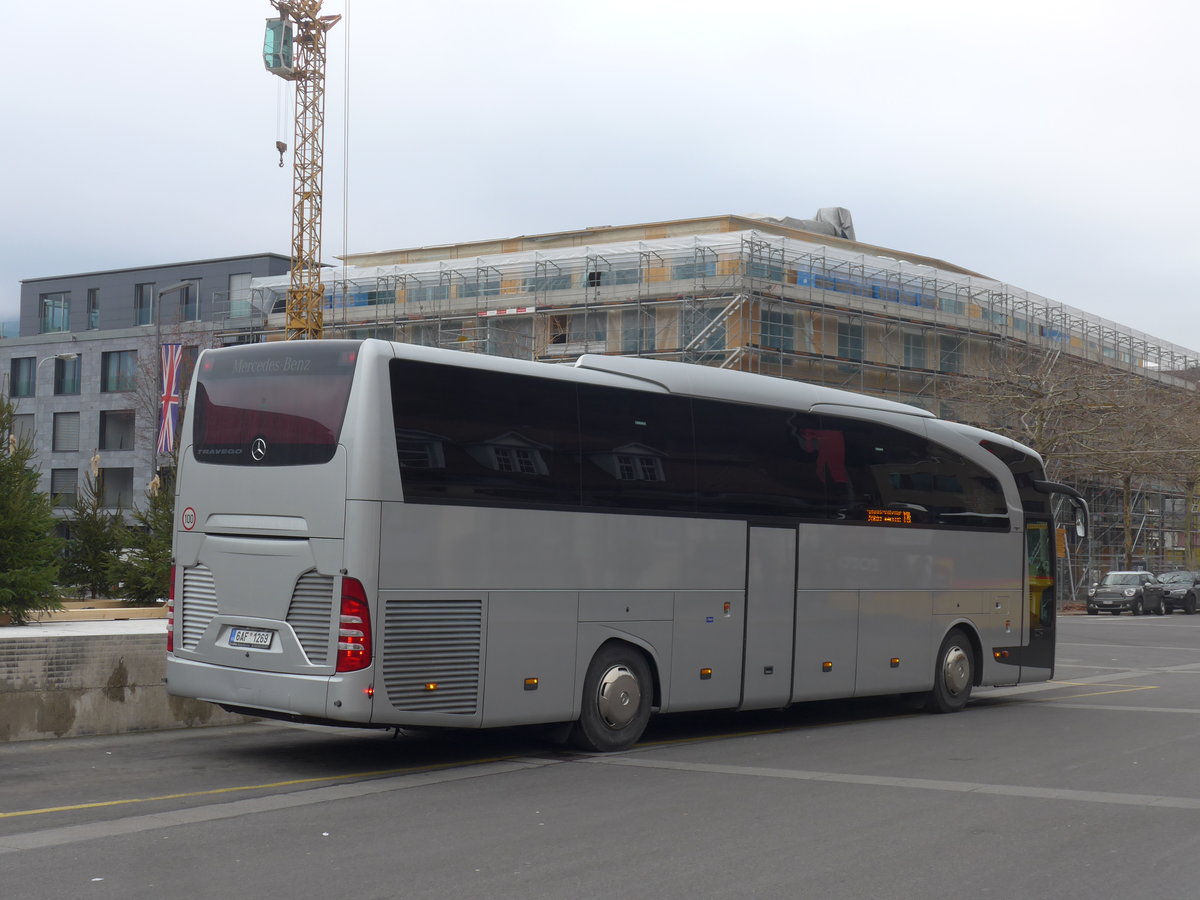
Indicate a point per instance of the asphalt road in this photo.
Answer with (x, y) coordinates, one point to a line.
(1086, 787)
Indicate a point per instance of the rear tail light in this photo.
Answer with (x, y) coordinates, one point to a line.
(171, 613)
(354, 628)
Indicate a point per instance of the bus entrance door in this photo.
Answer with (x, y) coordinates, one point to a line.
(770, 618)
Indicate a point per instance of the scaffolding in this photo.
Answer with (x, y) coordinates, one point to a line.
(755, 302)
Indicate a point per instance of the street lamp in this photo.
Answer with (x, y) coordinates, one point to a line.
(59, 356)
(171, 288)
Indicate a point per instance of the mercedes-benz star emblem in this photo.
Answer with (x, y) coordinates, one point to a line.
(258, 449)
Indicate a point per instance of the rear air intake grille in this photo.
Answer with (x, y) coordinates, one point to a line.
(311, 614)
(433, 642)
(199, 604)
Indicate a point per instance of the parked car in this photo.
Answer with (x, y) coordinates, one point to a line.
(1117, 591)
(1172, 591)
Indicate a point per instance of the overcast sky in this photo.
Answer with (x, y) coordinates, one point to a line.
(1052, 145)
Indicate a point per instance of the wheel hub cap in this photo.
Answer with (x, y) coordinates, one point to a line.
(956, 671)
(619, 697)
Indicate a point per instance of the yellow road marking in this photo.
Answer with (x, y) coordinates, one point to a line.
(380, 773)
(251, 787)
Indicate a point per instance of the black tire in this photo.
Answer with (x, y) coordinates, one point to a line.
(1093, 612)
(1167, 609)
(1138, 608)
(617, 696)
(953, 674)
(1189, 605)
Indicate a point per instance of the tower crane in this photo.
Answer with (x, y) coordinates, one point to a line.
(294, 49)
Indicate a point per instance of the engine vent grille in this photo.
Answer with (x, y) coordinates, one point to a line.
(311, 614)
(433, 642)
(199, 604)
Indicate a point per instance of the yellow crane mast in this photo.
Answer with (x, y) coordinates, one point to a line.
(294, 49)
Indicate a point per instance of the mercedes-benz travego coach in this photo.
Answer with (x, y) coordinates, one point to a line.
(382, 534)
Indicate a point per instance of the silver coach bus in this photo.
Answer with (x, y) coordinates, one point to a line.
(388, 535)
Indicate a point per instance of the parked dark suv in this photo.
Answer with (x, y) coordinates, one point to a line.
(1172, 591)
(1119, 590)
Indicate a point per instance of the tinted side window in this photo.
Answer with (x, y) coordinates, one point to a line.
(1025, 470)
(484, 437)
(896, 470)
(636, 449)
(758, 461)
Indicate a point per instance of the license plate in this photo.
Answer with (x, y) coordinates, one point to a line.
(246, 637)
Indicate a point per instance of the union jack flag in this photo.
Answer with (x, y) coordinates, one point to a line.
(168, 419)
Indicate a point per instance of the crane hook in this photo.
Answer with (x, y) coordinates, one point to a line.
(282, 148)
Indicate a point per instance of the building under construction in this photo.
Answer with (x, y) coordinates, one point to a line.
(785, 297)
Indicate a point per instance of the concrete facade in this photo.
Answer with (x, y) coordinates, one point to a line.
(116, 294)
(75, 327)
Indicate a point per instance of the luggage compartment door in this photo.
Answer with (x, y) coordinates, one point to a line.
(770, 618)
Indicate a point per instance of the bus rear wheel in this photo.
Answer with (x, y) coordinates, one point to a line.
(617, 696)
(953, 675)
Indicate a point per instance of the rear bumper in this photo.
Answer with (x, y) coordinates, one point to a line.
(273, 692)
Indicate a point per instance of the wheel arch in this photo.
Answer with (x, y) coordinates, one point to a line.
(967, 627)
(608, 637)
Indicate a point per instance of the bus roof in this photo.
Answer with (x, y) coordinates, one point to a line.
(722, 384)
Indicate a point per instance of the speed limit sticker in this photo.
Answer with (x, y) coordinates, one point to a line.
(189, 519)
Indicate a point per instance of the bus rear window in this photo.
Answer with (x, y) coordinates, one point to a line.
(279, 404)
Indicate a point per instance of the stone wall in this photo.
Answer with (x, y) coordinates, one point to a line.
(70, 685)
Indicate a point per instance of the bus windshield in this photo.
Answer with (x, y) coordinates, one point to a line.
(283, 406)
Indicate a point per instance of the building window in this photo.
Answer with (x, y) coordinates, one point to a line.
(639, 467)
(66, 432)
(93, 309)
(914, 349)
(66, 375)
(118, 371)
(116, 429)
(850, 340)
(578, 329)
(765, 270)
(427, 293)
(143, 304)
(64, 486)
(479, 287)
(22, 428)
(556, 282)
(694, 270)
(951, 348)
(21, 376)
(626, 275)
(55, 312)
(189, 302)
(187, 365)
(778, 333)
(116, 488)
(239, 296)
(637, 330)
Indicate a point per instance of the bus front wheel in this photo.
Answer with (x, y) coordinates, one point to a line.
(954, 674)
(617, 695)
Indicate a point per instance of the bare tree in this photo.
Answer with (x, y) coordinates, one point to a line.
(1092, 423)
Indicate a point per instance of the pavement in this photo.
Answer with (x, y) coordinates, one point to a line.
(94, 628)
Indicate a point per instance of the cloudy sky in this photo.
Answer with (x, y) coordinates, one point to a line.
(1049, 144)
